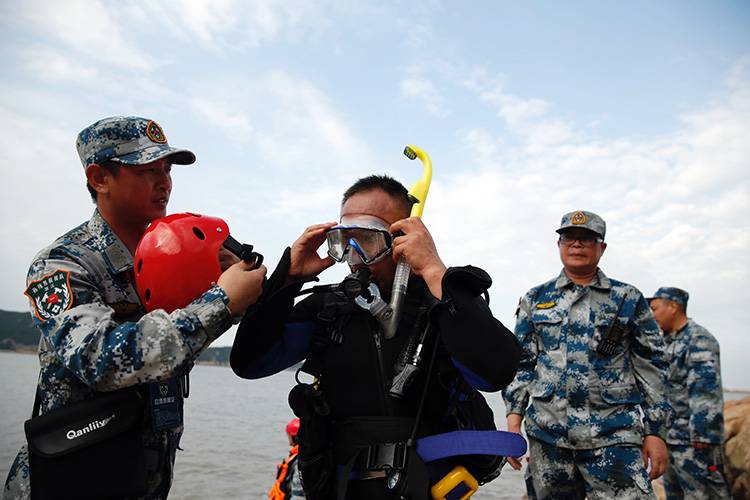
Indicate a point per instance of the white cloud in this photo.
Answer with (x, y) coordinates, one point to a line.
(90, 28)
(56, 66)
(417, 34)
(236, 125)
(415, 20)
(287, 120)
(526, 118)
(306, 130)
(236, 25)
(424, 90)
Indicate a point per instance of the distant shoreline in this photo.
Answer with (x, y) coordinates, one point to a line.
(33, 350)
(22, 349)
(210, 363)
(27, 349)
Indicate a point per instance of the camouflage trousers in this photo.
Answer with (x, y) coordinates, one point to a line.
(695, 474)
(17, 483)
(603, 473)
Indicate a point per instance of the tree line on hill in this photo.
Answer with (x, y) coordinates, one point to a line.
(18, 333)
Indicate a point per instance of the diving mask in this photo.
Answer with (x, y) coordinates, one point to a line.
(358, 243)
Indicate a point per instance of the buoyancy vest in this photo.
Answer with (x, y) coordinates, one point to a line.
(282, 487)
(350, 437)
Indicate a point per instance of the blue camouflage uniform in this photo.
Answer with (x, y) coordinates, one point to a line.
(96, 336)
(695, 393)
(582, 408)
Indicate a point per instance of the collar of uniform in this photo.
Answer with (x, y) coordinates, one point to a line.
(600, 281)
(682, 330)
(116, 253)
(562, 280)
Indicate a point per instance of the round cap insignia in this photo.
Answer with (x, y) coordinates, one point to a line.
(155, 133)
(578, 218)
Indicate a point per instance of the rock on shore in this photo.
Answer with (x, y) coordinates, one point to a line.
(736, 450)
(737, 446)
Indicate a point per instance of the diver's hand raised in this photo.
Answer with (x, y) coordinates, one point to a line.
(305, 261)
(418, 248)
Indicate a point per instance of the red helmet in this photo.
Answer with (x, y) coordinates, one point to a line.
(177, 260)
(292, 428)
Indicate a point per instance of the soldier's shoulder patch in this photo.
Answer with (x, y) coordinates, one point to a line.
(546, 305)
(51, 294)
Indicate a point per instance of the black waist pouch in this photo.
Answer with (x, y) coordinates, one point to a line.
(314, 460)
(89, 450)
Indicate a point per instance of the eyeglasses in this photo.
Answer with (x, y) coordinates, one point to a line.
(585, 240)
(369, 244)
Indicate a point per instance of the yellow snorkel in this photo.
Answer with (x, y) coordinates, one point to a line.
(419, 189)
(388, 315)
(418, 192)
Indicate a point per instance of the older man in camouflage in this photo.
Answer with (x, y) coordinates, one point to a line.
(593, 360)
(95, 335)
(696, 435)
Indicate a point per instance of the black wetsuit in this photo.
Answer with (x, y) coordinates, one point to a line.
(356, 374)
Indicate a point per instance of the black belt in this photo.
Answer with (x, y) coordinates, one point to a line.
(381, 457)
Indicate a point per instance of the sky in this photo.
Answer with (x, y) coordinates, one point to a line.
(638, 111)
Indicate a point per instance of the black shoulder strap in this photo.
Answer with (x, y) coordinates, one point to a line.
(37, 403)
(329, 329)
(423, 398)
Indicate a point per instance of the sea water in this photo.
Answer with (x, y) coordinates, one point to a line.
(234, 431)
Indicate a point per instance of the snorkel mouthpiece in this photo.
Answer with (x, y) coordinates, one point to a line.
(357, 284)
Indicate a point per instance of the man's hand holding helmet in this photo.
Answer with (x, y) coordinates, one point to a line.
(227, 259)
(180, 256)
(243, 284)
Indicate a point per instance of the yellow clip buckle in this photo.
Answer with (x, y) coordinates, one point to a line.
(458, 475)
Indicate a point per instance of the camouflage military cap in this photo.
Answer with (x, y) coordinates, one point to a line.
(584, 220)
(671, 293)
(127, 139)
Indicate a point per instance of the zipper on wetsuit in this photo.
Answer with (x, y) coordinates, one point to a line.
(385, 406)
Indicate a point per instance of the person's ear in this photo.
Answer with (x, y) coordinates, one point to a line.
(98, 178)
(673, 309)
